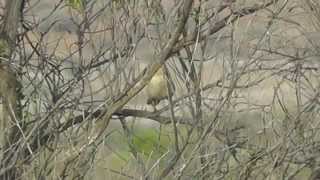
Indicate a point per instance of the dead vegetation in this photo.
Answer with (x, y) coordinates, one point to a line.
(241, 80)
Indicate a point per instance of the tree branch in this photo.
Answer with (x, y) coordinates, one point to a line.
(144, 78)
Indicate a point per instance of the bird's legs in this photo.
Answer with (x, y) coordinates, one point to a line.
(154, 104)
(154, 108)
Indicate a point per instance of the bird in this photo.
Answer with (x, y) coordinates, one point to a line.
(157, 88)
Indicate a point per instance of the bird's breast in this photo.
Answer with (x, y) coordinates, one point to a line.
(157, 88)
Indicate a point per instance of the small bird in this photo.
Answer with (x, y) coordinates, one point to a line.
(157, 89)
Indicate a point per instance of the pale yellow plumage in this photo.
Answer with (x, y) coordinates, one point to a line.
(157, 89)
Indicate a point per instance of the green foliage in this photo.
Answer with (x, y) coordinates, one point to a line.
(76, 4)
(149, 141)
(119, 159)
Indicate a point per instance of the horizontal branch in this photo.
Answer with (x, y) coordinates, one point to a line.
(125, 113)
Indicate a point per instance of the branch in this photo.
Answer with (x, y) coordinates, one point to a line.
(115, 107)
(233, 16)
(12, 18)
(125, 113)
(144, 78)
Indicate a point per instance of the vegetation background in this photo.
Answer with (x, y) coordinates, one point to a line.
(246, 103)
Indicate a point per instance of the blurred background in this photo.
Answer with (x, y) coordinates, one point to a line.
(245, 104)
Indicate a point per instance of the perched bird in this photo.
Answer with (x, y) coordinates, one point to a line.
(157, 89)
